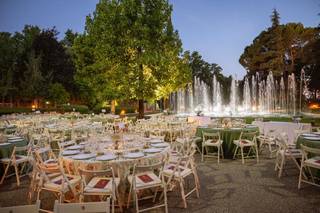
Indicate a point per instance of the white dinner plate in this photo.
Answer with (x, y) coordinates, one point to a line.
(133, 155)
(83, 156)
(83, 143)
(70, 152)
(74, 147)
(309, 135)
(15, 140)
(106, 157)
(156, 140)
(160, 145)
(313, 138)
(152, 150)
(14, 137)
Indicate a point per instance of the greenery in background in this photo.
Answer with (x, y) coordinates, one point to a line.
(130, 50)
(31, 62)
(285, 49)
(58, 94)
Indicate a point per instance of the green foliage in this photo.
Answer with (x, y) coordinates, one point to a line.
(33, 80)
(74, 108)
(58, 94)
(129, 51)
(32, 60)
(275, 18)
(279, 49)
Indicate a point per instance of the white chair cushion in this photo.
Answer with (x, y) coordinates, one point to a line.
(169, 169)
(19, 159)
(145, 180)
(243, 142)
(297, 153)
(100, 185)
(55, 183)
(313, 162)
(212, 142)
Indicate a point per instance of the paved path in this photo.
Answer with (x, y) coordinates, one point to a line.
(226, 188)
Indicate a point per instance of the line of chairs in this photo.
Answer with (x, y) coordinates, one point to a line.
(49, 175)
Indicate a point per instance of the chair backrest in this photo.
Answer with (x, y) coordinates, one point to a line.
(248, 135)
(282, 141)
(22, 209)
(89, 207)
(43, 154)
(149, 167)
(311, 150)
(210, 135)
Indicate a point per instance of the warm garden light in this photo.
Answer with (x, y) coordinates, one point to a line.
(314, 106)
(123, 112)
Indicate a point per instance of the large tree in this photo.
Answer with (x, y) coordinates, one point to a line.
(129, 50)
(278, 49)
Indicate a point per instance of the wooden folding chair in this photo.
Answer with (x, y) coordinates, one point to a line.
(15, 160)
(100, 183)
(310, 159)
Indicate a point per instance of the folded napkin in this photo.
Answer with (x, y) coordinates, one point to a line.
(145, 178)
(101, 183)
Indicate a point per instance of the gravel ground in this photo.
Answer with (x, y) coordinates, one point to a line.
(225, 188)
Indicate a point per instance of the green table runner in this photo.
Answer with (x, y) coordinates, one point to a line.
(227, 135)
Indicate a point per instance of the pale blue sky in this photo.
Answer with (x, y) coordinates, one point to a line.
(218, 29)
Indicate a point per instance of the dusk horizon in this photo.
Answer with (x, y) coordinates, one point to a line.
(219, 31)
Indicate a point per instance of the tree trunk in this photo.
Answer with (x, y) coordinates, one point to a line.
(113, 107)
(141, 108)
(11, 100)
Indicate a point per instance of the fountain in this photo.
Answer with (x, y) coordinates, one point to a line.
(260, 96)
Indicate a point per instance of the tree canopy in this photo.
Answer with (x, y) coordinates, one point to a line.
(130, 50)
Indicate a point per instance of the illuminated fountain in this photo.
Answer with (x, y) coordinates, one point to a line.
(259, 97)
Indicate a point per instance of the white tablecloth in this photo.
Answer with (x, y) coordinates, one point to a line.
(279, 127)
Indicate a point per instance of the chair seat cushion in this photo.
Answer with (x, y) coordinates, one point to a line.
(170, 169)
(313, 162)
(297, 153)
(56, 183)
(145, 180)
(101, 185)
(243, 142)
(19, 159)
(211, 142)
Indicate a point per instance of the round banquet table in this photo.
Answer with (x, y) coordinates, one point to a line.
(307, 142)
(227, 135)
(7, 148)
(310, 143)
(120, 164)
